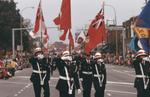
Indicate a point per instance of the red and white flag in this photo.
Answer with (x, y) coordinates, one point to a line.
(40, 29)
(80, 37)
(96, 33)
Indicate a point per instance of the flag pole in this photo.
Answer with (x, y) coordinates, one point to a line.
(41, 40)
(70, 46)
(103, 22)
(102, 36)
(70, 49)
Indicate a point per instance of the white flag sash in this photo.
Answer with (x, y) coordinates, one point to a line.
(40, 74)
(68, 81)
(144, 81)
(98, 76)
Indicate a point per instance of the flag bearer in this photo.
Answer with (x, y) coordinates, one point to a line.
(40, 73)
(99, 75)
(68, 77)
(141, 70)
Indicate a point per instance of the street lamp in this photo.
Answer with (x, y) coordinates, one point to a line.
(21, 21)
(108, 20)
(115, 16)
(115, 23)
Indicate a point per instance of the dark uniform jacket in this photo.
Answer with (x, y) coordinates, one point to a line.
(139, 82)
(78, 60)
(44, 66)
(99, 70)
(86, 68)
(62, 84)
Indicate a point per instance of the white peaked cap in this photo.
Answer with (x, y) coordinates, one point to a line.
(97, 55)
(141, 53)
(38, 49)
(65, 53)
(66, 56)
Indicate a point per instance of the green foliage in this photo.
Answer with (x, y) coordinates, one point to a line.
(10, 18)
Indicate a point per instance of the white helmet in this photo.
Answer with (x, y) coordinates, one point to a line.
(141, 53)
(97, 55)
(65, 53)
(38, 49)
(66, 56)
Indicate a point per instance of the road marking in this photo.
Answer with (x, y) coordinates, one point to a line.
(16, 95)
(123, 73)
(22, 90)
(120, 83)
(17, 71)
(129, 71)
(112, 91)
(10, 82)
(109, 94)
(19, 92)
(121, 92)
(26, 77)
(56, 78)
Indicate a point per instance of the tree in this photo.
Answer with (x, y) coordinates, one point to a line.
(10, 18)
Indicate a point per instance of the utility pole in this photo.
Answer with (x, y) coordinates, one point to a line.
(14, 30)
(21, 26)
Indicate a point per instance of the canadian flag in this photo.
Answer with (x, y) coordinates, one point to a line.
(40, 29)
(63, 20)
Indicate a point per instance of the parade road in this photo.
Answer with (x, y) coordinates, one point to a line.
(119, 83)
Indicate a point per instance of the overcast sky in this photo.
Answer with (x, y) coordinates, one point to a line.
(82, 11)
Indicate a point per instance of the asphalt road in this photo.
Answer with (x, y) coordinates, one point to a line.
(119, 84)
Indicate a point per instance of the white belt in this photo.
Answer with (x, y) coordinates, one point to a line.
(141, 76)
(36, 71)
(95, 75)
(87, 72)
(65, 78)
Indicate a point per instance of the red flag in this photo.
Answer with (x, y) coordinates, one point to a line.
(63, 36)
(45, 34)
(38, 19)
(64, 18)
(96, 32)
(57, 20)
(45, 40)
(40, 29)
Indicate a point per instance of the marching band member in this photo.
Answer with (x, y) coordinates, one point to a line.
(40, 73)
(146, 61)
(99, 75)
(142, 68)
(68, 79)
(86, 75)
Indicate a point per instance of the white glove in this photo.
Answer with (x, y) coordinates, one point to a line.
(79, 91)
(81, 79)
